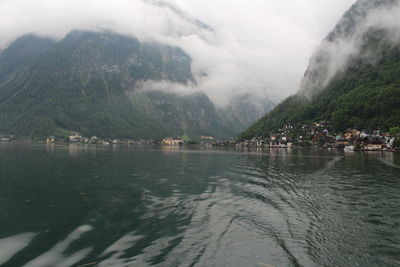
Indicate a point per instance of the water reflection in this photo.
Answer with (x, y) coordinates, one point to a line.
(55, 256)
(175, 206)
(10, 246)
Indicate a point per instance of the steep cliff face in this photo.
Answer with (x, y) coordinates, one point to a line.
(353, 79)
(343, 44)
(90, 82)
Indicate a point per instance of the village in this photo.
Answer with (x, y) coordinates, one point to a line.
(318, 134)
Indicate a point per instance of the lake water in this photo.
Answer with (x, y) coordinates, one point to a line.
(126, 205)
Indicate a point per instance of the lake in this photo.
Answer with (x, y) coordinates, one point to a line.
(87, 205)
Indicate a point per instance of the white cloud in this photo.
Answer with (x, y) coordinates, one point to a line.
(333, 55)
(259, 45)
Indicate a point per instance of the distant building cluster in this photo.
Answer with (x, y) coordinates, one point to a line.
(6, 137)
(319, 134)
(77, 138)
(172, 141)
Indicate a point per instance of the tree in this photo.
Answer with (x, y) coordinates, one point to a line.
(395, 131)
(396, 142)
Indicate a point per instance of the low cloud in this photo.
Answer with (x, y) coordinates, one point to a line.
(336, 51)
(262, 46)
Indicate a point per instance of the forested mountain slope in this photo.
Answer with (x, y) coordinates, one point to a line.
(90, 82)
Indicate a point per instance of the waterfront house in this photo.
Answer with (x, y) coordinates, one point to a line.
(6, 138)
(372, 143)
(75, 138)
(172, 141)
(373, 147)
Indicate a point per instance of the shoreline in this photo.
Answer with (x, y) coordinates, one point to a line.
(186, 147)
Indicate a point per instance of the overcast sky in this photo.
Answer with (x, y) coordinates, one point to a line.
(261, 46)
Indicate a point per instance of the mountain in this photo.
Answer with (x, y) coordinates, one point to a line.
(90, 82)
(353, 78)
(192, 115)
(245, 109)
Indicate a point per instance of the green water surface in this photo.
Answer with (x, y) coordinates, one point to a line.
(73, 205)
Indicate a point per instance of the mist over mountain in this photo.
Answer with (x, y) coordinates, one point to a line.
(86, 83)
(348, 39)
(240, 60)
(94, 83)
(353, 79)
(240, 50)
(243, 110)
